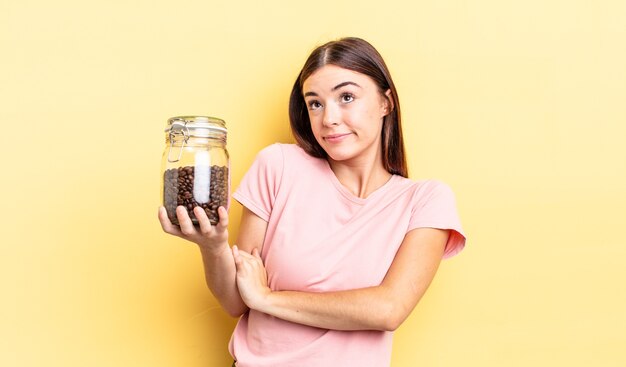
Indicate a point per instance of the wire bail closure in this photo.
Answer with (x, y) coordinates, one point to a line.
(177, 129)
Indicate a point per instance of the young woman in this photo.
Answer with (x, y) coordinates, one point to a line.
(336, 244)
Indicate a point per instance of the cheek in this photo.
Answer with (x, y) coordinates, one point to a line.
(374, 123)
(372, 117)
(315, 123)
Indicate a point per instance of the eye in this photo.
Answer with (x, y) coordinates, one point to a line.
(347, 97)
(314, 105)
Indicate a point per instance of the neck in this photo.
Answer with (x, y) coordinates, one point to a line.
(361, 178)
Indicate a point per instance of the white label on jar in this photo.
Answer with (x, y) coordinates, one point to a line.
(202, 177)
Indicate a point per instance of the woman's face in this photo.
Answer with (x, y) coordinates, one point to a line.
(346, 111)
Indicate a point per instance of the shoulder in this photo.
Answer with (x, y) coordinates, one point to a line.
(280, 151)
(433, 186)
(423, 187)
(434, 206)
(290, 157)
(270, 153)
(280, 159)
(430, 191)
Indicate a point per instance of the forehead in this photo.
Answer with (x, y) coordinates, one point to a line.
(328, 76)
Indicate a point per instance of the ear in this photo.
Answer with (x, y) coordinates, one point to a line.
(387, 103)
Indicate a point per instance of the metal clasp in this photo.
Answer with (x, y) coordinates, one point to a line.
(177, 129)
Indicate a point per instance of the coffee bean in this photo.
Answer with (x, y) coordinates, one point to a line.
(178, 190)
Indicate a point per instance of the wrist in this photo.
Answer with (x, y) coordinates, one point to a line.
(216, 250)
(265, 302)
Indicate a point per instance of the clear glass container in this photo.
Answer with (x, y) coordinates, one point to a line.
(195, 166)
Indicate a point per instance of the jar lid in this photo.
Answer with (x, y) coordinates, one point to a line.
(200, 126)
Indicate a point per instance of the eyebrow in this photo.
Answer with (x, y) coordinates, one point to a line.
(340, 85)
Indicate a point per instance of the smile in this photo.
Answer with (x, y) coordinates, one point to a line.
(336, 138)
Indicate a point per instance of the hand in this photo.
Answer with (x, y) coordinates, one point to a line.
(251, 278)
(208, 237)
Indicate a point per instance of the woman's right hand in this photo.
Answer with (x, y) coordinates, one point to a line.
(207, 236)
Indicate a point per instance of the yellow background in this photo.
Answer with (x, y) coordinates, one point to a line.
(518, 105)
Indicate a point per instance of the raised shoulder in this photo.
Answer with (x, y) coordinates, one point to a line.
(271, 153)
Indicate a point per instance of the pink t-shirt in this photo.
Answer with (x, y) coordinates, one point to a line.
(320, 237)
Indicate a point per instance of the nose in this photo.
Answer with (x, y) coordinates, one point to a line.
(331, 115)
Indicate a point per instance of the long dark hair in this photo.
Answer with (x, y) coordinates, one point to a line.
(357, 55)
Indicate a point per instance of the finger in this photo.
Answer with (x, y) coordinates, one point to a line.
(166, 224)
(222, 225)
(237, 257)
(244, 255)
(255, 253)
(203, 220)
(186, 226)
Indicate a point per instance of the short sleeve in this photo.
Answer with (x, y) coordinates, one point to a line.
(259, 187)
(435, 207)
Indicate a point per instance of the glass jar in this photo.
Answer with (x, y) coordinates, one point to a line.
(195, 166)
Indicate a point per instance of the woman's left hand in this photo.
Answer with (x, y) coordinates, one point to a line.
(251, 278)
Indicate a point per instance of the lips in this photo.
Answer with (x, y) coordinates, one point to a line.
(336, 138)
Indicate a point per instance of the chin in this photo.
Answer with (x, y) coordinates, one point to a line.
(339, 155)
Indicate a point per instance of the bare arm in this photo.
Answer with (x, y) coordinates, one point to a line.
(382, 307)
(217, 258)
